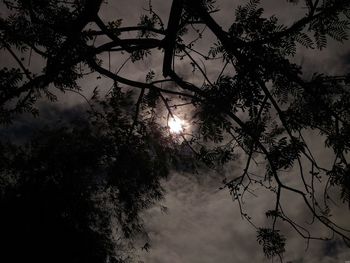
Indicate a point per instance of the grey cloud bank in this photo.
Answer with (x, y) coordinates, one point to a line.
(203, 225)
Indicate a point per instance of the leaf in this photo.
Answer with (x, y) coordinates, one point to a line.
(321, 40)
(304, 40)
(272, 241)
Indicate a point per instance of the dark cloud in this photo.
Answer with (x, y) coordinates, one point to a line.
(26, 125)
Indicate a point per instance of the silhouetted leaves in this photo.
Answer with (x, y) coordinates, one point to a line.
(340, 176)
(272, 241)
(76, 191)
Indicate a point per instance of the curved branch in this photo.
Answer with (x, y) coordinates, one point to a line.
(93, 64)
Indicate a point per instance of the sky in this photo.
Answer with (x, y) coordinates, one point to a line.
(202, 224)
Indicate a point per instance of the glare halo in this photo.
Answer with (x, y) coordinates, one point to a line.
(176, 125)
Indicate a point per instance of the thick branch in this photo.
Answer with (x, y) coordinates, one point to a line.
(132, 83)
(170, 39)
(132, 44)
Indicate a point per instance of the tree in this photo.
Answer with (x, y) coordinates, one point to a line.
(258, 103)
(74, 192)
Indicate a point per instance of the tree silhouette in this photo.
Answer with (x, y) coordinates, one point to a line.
(74, 192)
(258, 103)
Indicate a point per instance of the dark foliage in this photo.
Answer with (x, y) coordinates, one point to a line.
(74, 193)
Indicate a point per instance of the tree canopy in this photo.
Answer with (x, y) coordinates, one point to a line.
(246, 95)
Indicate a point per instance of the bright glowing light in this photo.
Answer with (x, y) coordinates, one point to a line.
(176, 125)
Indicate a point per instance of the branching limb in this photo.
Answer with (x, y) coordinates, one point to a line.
(93, 64)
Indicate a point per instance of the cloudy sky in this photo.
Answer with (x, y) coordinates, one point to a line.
(201, 223)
